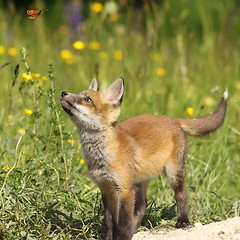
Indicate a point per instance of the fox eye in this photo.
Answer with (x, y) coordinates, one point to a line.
(87, 99)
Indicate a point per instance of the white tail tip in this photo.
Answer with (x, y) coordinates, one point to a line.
(225, 94)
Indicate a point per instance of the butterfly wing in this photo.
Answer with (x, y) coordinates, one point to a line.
(32, 16)
(33, 13)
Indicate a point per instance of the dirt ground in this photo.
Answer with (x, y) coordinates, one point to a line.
(225, 230)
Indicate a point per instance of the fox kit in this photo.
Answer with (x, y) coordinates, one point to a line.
(122, 157)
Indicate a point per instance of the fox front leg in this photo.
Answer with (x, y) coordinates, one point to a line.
(110, 204)
(126, 215)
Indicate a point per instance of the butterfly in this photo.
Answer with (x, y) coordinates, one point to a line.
(34, 13)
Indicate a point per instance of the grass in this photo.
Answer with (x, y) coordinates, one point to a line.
(172, 55)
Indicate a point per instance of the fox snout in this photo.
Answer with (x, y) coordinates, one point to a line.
(63, 94)
(66, 104)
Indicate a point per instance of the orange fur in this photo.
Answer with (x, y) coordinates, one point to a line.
(123, 157)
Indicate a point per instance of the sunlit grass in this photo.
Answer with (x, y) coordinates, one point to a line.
(176, 59)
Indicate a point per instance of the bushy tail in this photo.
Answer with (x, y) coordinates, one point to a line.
(206, 124)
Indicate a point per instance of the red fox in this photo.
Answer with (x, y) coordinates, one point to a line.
(122, 157)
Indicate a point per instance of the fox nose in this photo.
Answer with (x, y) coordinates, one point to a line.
(64, 94)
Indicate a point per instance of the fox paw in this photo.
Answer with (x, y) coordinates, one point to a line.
(182, 224)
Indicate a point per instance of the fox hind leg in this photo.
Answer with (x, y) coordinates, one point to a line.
(182, 201)
(140, 204)
(175, 177)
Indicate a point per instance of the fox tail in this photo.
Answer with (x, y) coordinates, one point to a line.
(208, 123)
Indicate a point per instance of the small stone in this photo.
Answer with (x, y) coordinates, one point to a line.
(198, 224)
(221, 233)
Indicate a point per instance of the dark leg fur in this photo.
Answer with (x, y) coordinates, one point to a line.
(182, 201)
(108, 220)
(118, 215)
(176, 179)
(140, 204)
(125, 220)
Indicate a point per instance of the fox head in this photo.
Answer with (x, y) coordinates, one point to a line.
(94, 109)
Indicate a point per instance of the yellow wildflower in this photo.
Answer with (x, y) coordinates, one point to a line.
(26, 77)
(44, 78)
(118, 55)
(27, 112)
(96, 7)
(71, 141)
(7, 167)
(161, 72)
(12, 51)
(189, 111)
(35, 75)
(9, 118)
(2, 49)
(67, 56)
(94, 45)
(79, 45)
(114, 17)
(81, 160)
(21, 131)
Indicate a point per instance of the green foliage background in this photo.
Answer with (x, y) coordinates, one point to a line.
(172, 55)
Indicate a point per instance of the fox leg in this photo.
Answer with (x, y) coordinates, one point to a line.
(182, 201)
(126, 213)
(140, 204)
(108, 220)
(176, 179)
(111, 205)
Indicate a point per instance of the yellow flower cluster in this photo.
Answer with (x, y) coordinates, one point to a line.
(79, 45)
(12, 51)
(27, 77)
(26, 112)
(69, 57)
(110, 8)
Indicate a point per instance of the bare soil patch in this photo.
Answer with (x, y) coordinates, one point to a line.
(224, 230)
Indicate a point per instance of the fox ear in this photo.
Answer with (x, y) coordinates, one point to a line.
(94, 85)
(114, 93)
